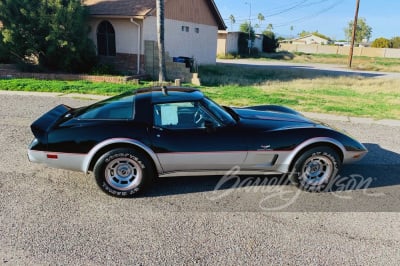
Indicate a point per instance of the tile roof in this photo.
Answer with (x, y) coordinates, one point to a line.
(120, 7)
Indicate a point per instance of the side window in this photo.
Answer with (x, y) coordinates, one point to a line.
(117, 108)
(181, 115)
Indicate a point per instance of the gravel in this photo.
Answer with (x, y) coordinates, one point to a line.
(51, 216)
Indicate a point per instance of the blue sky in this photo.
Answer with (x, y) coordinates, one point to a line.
(328, 17)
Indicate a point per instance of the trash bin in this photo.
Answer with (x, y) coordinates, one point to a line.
(189, 62)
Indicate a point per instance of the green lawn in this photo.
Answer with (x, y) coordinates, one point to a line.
(84, 87)
(243, 86)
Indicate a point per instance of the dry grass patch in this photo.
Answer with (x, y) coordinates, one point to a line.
(351, 96)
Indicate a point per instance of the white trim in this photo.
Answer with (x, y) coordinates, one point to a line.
(139, 41)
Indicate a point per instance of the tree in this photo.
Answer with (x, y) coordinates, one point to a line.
(232, 20)
(162, 73)
(381, 43)
(247, 28)
(270, 27)
(260, 18)
(247, 37)
(270, 43)
(395, 42)
(52, 33)
(363, 30)
(5, 56)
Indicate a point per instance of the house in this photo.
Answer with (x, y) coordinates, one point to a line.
(309, 39)
(228, 42)
(125, 31)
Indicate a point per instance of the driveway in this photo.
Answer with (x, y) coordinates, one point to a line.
(51, 216)
(320, 69)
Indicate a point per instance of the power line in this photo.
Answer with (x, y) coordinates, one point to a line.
(297, 5)
(311, 16)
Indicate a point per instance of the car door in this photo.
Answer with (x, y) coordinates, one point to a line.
(187, 137)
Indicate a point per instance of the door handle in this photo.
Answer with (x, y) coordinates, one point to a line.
(158, 128)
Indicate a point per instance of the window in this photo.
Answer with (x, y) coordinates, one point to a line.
(117, 108)
(182, 115)
(197, 30)
(106, 39)
(185, 28)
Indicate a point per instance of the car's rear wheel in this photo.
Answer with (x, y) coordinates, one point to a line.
(123, 172)
(315, 168)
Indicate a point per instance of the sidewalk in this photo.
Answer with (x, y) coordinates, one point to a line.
(355, 120)
(317, 116)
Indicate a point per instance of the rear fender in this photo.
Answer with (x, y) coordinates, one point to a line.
(117, 141)
(43, 124)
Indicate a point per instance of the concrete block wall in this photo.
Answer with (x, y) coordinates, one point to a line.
(341, 50)
(174, 70)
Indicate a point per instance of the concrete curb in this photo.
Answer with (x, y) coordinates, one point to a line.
(316, 116)
(55, 94)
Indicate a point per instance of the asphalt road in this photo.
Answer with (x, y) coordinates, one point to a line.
(313, 69)
(51, 216)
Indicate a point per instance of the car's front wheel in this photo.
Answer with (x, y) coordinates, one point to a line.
(123, 172)
(315, 168)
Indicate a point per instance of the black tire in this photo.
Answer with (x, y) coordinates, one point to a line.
(315, 168)
(123, 172)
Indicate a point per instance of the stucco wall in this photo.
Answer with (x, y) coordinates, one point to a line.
(126, 34)
(202, 46)
(221, 43)
(232, 43)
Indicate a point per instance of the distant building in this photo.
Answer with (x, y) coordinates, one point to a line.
(228, 42)
(308, 39)
(342, 43)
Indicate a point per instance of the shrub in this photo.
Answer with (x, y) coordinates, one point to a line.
(381, 43)
(270, 43)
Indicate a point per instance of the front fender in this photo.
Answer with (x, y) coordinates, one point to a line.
(274, 108)
(285, 165)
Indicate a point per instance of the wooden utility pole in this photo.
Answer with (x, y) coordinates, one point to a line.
(249, 41)
(354, 33)
(161, 44)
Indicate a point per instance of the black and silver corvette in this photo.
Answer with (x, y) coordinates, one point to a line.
(130, 139)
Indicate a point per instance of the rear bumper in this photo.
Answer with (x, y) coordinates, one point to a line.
(68, 161)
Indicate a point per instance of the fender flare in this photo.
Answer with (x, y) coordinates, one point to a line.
(285, 166)
(89, 157)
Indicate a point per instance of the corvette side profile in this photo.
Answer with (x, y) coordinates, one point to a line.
(129, 140)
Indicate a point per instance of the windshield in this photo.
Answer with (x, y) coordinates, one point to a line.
(219, 112)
